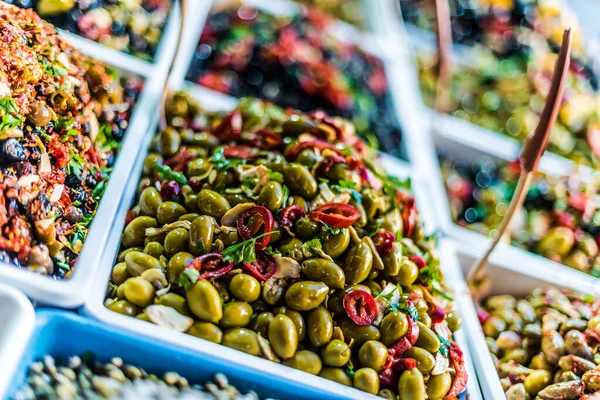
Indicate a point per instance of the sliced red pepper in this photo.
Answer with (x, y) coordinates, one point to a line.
(360, 307)
(460, 380)
(291, 214)
(310, 144)
(388, 379)
(262, 268)
(255, 221)
(437, 315)
(210, 266)
(408, 340)
(383, 241)
(230, 127)
(130, 216)
(418, 260)
(404, 363)
(338, 215)
(483, 316)
(409, 216)
(240, 151)
(264, 139)
(179, 161)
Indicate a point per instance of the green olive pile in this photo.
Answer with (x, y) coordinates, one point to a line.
(546, 345)
(278, 234)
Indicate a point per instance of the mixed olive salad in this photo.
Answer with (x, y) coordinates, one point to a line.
(560, 219)
(278, 234)
(133, 26)
(545, 346)
(296, 62)
(84, 378)
(62, 116)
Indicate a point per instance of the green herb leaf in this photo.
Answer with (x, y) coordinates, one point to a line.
(410, 310)
(332, 230)
(313, 245)
(350, 370)
(275, 176)
(188, 278)
(166, 173)
(444, 345)
(244, 251)
(63, 266)
(8, 105)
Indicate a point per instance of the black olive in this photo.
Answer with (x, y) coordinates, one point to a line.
(73, 179)
(11, 150)
(74, 215)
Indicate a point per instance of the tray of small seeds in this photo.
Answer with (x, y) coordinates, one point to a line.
(278, 234)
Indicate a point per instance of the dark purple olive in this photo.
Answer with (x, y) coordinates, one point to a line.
(11, 150)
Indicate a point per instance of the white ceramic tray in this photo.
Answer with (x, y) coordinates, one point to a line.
(18, 320)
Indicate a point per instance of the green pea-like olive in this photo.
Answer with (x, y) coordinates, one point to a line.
(236, 315)
(242, 339)
(261, 323)
(213, 204)
(300, 180)
(271, 196)
(367, 380)
(427, 339)
(306, 229)
(336, 374)
(438, 386)
(176, 241)
(138, 262)
(283, 336)
(296, 318)
(336, 353)
(174, 300)
(359, 334)
(335, 245)
(169, 211)
(319, 326)
(244, 287)
(123, 307)
(149, 201)
(292, 248)
(425, 360)
(204, 301)
(176, 265)
(373, 354)
(154, 249)
(392, 262)
(411, 385)
(409, 272)
(328, 272)
(135, 232)
(119, 273)
(139, 291)
(306, 295)
(201, 235)
(358, 263)
(206, 331)
(169, 142)
(305, 360)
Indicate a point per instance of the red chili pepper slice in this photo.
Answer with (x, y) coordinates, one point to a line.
(310, 144)
(360, 307)
(387, 379)
(255, 221)
(412, 334)
(418, 260)
(291, 214)
(264, 139)
(483, 316)
(338, 215)
(262, 268)
(179, 161)
(240, 151)
(404, 363)
(437, 315)
(383, 241)
(409, 216)
(230, 127)
(210, 265)
(460, 380)
(326, 164)
(130, 216)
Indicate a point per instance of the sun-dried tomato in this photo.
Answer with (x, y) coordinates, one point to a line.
(460, 380)
(230, 127)
(240, 151)
(264, 139)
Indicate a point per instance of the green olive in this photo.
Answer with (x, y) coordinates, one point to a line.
(230, 237)
(206, 331)
(176, 241)
(213, 204)
(370, 203)
(150, 161)
(138, 262)
(243, 340)
(49, 8)
(306, 295)
(260, 324)
(592, 380)
(306, 361)
(225, 178)
(427, 340)
(335, 245)
(169, 211)
(557, 241)
(149, 201)
(204, 301)
(119, 273)
(362, 221)
(283, 336)
(359, 333)
(553, 346)
(296, 318)
(411, 385)
(306, 228)
(438, 386)
(337, 375)
(169, 142)
(174, 300)
(123, 307)
(409, 272)
(358, 263)
(387, 394)
(306, 157)
(190, 203)
(292, 248)
(300, 180)
(536, 381)
(336, 353)
(373, 354)
(139, 291)
(245, 288)
(328, 272)
(123, 254)
(176, 265)
(201, 235)
(190, 217)
(135, 232)
(197, 167)
(236, 315)
(319, 326)
(453, 320)
(154, 249)
(392, 262)
(367, 380)
(425, 360)
(271, 196)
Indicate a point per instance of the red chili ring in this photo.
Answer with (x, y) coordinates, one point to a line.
(291, 214)
(210, 266)
(250, 222)
(360, 307)
(460, 380)
(230, 127)
(338, 215)
(240, 151)
(262, 268)
(383, 241)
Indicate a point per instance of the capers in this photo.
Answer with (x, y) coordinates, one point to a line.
(366, 379)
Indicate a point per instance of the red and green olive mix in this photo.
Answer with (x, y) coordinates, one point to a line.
(560, 218)
(62, 116)
(545, 346)
(278, 234)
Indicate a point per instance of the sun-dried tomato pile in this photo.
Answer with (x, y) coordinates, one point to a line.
(62, 117)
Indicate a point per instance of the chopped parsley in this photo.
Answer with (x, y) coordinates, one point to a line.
(312, 245)
(275, 176)
(350, 369)
(187, 278)
(244, 251)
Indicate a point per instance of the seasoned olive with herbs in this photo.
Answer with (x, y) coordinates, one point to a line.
(212, 204)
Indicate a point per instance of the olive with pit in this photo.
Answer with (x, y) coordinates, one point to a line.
(243, 340)
(176, 265)
(367, 380)
(201, 235)
(358, 263)
(174, 300)
(393, 327)
(306, 228)
(306, 295)
(283, 336)
(408, 274)
(271, 196)
(261, 323)
(427, 340)
(176, 241)
(335, 245)
(438, 386)
(244, 287)
(123, 307)
(300, 180)
(336, 353)
(411, 385)
(135, 232)
(139, 291)
(328, 272)
(212, 203)
(138, 262)
(206, 331)
(373, 354)
(204, 301)
(149, 202)
(357, 333)
(169, 212)
(296, 318)
(292, 248)
(319, 326)
(425, 360)
(337, 375)
(119, 273)
(236, 315)
(169, 141)
(154, 249)
(305, 360)
(392, 262)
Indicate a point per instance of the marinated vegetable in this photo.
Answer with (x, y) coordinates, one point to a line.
(545, 346)
(62, 118)
(308, 287)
